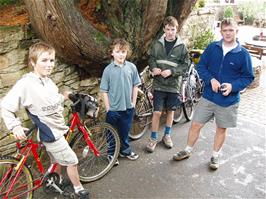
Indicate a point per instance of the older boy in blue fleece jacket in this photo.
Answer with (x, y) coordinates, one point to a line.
(226, 69)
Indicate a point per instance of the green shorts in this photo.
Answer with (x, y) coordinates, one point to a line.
(61, 153)
(225, 117)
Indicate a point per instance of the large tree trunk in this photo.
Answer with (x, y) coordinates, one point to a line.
(81, 30)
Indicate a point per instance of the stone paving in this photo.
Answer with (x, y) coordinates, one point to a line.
(253, 102)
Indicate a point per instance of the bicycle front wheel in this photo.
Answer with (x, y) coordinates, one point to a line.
(106, 140)
(178, 114)
(141, 119)
(22, 184)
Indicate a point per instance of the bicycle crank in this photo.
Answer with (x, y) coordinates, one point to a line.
(50, 183)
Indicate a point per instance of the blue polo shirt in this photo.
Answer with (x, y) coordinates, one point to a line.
(118, 82)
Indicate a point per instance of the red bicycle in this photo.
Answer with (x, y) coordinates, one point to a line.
(97, 148)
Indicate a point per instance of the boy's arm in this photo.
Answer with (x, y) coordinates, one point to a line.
(106, 101)
(152, 62)
(134, 95)
(13, 124)
(183, 63)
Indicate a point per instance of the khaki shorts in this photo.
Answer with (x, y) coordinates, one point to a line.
(225, 117)
(61, 153)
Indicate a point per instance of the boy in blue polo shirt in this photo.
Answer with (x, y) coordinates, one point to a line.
(119, 87)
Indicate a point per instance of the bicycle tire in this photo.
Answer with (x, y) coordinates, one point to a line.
(23, 183)
(140, 124)
(199, 89)
(178, 114)
(188, 108)
(91, 167)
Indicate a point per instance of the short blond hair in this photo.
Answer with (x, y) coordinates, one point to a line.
(228, 22)
(123, 45)
(37, 49)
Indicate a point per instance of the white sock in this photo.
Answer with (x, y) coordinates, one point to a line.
(215, 154)
(60, 179)
(78, 188)
(188, 149)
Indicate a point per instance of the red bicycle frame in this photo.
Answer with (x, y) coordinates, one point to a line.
(75, 121)
(23, 155)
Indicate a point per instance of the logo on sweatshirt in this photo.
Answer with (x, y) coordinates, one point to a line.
(51, 107)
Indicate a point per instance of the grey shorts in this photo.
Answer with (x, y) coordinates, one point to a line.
(225, 117)
(61, 153)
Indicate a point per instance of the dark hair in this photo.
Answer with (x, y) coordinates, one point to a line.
(123, 45)
(171, 21)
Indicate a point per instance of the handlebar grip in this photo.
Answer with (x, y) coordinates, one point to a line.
(30, 131)
(73, 97)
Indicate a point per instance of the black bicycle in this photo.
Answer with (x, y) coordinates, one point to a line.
(144, 106)
(190, 94)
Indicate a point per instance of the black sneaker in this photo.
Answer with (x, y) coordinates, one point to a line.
(181, 155)
(83, 194)
(214, 163)
(131, 156)
(110, 157)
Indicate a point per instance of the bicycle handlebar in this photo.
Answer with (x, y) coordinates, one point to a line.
(27, 133)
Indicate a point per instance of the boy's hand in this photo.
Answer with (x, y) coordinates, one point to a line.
(215, 85)
(156, 71)
(18, 132)
(66, 94)
(166, 73)
(226, 88)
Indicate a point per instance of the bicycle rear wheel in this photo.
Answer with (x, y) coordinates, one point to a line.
(188, 109)
(106, 140)
(22, 184)
(141, 119)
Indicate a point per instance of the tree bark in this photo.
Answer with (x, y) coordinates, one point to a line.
(81, 30)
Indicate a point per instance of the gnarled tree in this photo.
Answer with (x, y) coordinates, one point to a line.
(80, 30)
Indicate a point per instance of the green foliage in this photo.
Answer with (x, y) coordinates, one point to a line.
(228, 12)
(7, 2)
(201, 38)
(200, 3)
(251, 11)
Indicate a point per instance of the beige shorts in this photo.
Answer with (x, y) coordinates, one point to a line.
(225, 117)
(61, 153)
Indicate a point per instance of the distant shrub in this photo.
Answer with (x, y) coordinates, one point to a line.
(228, 12)
(200, 37)
(201, 3)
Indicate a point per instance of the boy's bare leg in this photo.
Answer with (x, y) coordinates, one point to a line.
(169, 118)
(194, 133)
(58, 169)
(155, 121)
(219, 138)
(72, 172)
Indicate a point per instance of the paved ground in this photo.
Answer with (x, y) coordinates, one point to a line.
(242, 173)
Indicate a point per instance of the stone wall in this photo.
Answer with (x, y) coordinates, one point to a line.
(14, 44)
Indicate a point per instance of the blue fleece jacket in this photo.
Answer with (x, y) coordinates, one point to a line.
(234, 68)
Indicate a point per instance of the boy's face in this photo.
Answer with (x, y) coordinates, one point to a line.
(119, 55)
(44, 64)
(229, 33)
(170, 32)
